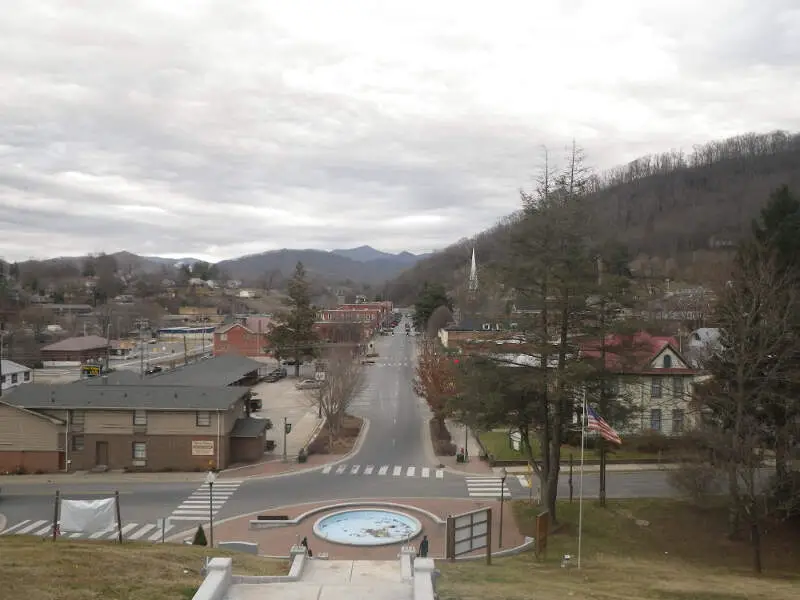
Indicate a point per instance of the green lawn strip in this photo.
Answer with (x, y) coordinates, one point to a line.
(498, 444)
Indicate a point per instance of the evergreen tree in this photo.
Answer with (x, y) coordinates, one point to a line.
(200, 537)
(295, 337)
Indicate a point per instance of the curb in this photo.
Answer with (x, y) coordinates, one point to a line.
(3, 522)
(356, 449)
(311, 438)
(187, 532)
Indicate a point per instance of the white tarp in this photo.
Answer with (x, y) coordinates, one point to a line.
(89, 516)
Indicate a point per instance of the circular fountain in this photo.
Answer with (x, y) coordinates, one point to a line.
(367, 527)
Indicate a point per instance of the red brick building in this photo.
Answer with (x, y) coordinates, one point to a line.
(240, 340)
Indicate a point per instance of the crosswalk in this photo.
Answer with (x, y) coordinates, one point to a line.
(203, 503)
(394, 364)
(487, 487)
(384, 471)
(130, 531)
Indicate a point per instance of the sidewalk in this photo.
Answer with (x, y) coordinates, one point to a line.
(474, 465)
(282, 400)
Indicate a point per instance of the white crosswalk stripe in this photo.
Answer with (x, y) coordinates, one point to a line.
(523, 481)
(204, 502)
(130, 531)
(487, 487)
(383, 470)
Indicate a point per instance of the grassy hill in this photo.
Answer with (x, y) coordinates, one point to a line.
(669, 209)
(643, 549)
(32, 569)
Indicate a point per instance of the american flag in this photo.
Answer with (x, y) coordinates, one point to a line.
(595, 422)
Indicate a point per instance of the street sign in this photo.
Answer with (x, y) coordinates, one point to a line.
(288, 428)
(319, 375)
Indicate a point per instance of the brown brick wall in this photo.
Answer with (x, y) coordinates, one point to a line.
(173, 452)
(246, 450)
(31, 462)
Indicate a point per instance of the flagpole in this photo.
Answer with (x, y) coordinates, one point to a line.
(580, 490)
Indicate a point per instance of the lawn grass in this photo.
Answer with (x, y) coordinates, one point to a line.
(674, 552)
(33, 569)
(497, 443)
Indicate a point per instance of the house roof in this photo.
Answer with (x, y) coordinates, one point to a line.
(229, 326)
(37, 396)
(76, 344)
(121, 377)
(249, 428)
(219, 371)
(9, 367)
(44, 417)
(631, 352)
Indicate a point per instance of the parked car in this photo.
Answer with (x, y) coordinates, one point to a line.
(153, 370)
(255, 403)
(308, 384)
(290, 362)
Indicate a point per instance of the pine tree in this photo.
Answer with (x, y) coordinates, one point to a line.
(200, 537)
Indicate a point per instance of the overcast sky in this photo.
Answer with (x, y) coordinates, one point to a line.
(216, 128)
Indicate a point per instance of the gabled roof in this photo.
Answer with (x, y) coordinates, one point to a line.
(76, 344)
(9, 367)
(229, 326)
(38, 396)
(632, 353)
(47, 418)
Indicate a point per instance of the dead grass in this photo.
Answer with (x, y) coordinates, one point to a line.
(680, 554)
(32, 569)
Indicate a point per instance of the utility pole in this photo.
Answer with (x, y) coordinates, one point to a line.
(108, 340)
(140, 323)
(185, 351)
(2, 334)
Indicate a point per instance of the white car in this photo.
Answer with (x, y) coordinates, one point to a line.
(308, 384)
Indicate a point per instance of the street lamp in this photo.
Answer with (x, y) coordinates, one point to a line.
(503, 475)
(210, 479)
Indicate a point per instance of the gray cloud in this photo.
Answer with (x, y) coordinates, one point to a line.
(217, 129)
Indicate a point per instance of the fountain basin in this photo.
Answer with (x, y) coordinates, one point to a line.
(367, 527)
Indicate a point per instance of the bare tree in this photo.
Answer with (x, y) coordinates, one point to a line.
(343, 381)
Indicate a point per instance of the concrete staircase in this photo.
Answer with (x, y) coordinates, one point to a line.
(315, 579)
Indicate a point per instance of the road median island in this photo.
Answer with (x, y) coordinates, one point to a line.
(634, 549)
(336, 443)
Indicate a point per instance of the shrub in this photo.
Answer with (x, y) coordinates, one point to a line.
(269, 446)
(20, 470)
(200, 537)
(695, 480)
(302, 456)
(651, 442)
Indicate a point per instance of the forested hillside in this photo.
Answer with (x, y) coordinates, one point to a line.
(673, 211)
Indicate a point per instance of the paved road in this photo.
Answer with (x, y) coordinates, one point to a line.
(394, 461)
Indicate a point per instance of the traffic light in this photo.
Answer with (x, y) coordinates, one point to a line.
(288, 428)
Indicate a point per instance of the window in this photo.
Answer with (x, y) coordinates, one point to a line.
(223, 337)
(77, 417)
(77, 443)
(655, 387)
(667, 361)
(27, 376)
(677, 421)
(14, 377)
(655, 419)
(613, 387)
(139, 451)
(140, 418)
(3, 379)
(203, 418)
(677, 387)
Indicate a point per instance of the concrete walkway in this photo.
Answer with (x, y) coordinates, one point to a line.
(282, 400)
(334, 580)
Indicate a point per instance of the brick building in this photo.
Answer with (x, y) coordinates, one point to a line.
(75, 351)
(191, 418)
(240, 340)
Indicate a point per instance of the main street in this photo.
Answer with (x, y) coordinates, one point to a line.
(394, 460)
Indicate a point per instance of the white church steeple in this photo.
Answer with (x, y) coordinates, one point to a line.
(473, 274)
